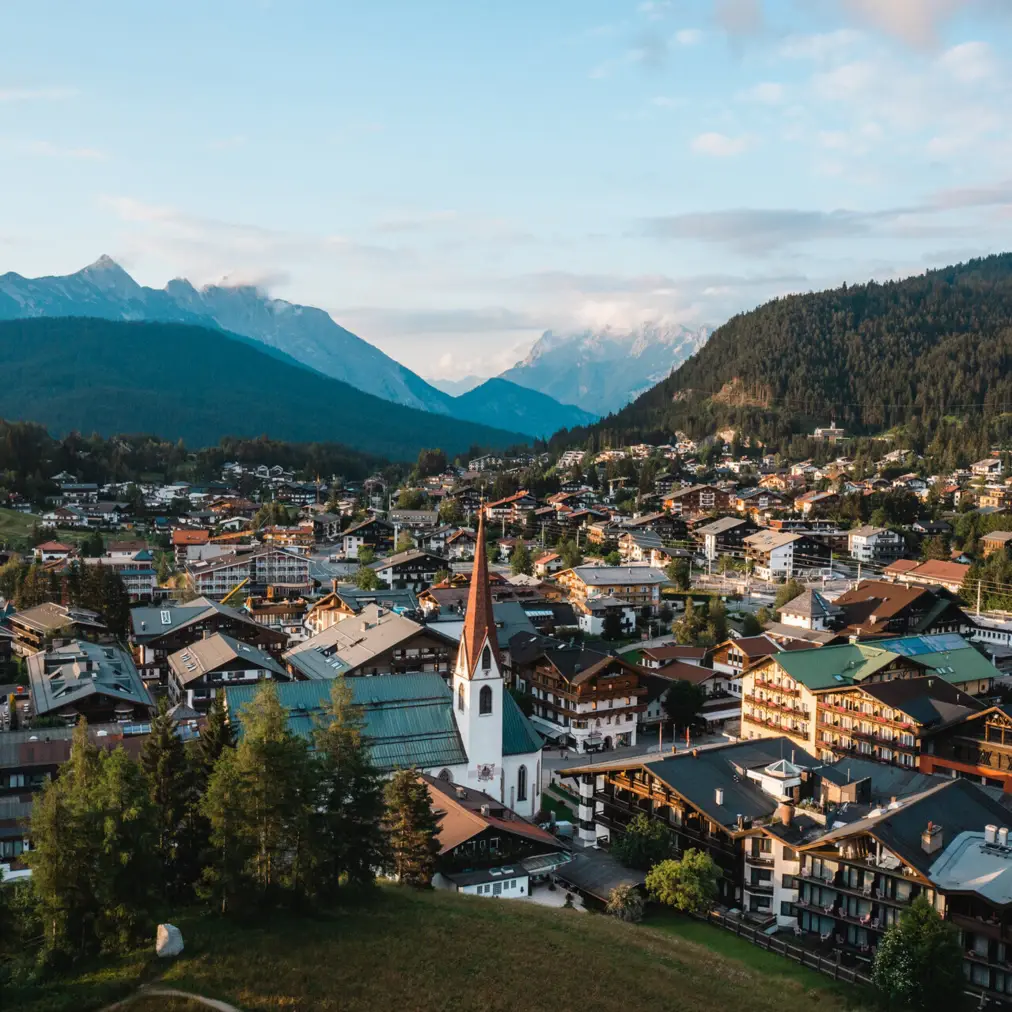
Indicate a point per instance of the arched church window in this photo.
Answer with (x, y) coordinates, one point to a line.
(522, 784)
(486, 658)
(485, 700)
(444, 774)
(460, 698)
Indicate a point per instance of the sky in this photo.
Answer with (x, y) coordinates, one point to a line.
(450, 179)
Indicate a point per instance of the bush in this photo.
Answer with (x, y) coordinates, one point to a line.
(625, 903)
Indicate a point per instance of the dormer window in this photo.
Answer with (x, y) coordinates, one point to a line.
(486, 658)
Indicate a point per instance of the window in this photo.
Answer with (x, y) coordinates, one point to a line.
(788, 909)
(522, 784)
(444, 774)
(460, 698)
(486, 659)
(485, 699)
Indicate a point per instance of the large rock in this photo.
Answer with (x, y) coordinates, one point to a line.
(169, 940)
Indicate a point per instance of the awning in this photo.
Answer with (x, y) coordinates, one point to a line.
(544, 863)
(548, 729)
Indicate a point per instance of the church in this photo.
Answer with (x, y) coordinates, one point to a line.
(470, 732)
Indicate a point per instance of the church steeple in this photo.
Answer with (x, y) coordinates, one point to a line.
(479, 624)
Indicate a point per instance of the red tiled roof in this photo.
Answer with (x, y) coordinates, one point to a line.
(182, 536)
(54, 546)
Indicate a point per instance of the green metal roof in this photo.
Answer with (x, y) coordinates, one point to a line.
(518, 734)
(949, 656)
(408, 718)
(824, 667)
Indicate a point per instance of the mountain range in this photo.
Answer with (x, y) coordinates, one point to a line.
(604, 370)
(198, 384)
(307, 335)
(926, 359)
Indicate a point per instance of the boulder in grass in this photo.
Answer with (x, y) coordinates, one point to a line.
(169, 940)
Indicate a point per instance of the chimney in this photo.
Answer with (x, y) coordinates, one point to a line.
(333, 585)
(1002, 837)
(990, 834)
(718, 796)
(931, 838)
(785, 813)
(461, 793)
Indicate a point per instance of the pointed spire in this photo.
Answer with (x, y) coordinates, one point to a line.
(479, 623)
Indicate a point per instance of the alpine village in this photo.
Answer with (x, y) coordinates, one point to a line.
(622, 623)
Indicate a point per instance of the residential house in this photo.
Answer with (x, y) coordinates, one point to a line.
(725, 536)
(137, 572)
(411, 570)
(801, 693)
(778, 555)
(933, 573)
(460, 545)
(874, 544)
(652, 658)
(811, 611)
(53, 551)
(547, 564)
(699, 499)
(374, 533)
(158, 632)
(345, 600)
(95, 681)
(995, 541)
(989, 467)
(36, 628)
(511, 509)
(376, 641)
(761, 500)
(643, 546)
(594, 612)
(639, 585)
(734, 656)
(184, 537)
(583, 698)
(485, 848)
(877, 607)
(198, 672)
(258, 570)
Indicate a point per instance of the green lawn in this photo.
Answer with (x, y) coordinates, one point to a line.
(437, 952)
(16, 531)
(731, 946)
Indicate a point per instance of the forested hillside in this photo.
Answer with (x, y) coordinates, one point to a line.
(931, 355)
(198, 385)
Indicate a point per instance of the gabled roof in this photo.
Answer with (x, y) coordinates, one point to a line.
(810, 604)
(462, 817)
(208, 655)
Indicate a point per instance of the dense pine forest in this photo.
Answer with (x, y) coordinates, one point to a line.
(928, 358)
(30, 456)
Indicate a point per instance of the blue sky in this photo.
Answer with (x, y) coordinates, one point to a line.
(449, 179)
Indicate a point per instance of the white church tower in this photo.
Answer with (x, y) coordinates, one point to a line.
(478, 682)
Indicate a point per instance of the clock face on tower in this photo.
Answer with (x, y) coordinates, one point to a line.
(486, 771)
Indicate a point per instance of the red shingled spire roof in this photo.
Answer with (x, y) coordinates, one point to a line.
(479, 623)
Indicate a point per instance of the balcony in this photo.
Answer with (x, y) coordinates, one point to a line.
(763, 683)
(761, 888)
(858, 715)
(795, 711)
(764, 860)
(778, 726)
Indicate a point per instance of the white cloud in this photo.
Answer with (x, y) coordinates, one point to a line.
(969, 62)
(822, 47)
(667, 102)
(720, 145)
(36, 94)
(689, 37)
(846, 81)
(765, 93)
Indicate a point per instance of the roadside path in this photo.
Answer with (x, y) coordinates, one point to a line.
(168, 992)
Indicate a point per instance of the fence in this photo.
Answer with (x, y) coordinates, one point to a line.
(805, 957)
(815, 961)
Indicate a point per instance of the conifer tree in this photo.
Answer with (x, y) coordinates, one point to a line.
(216, 736)
(259, 802)
(412, 830)
(350, 799)
(171, 788)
